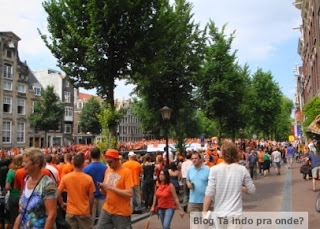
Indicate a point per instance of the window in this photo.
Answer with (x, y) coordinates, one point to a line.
(32, 107)
(20, 132)
(7, 72)
(21, 88)
(9, 53)
(6, 132)
(21, 106)
(67, 84)
(68, 112)
(37, 91)
(7, 101)
(67, 96)
(7, 85)
(67, 128)
(79, 105)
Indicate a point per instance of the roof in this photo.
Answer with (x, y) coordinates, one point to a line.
(10, 34)
(86, 97)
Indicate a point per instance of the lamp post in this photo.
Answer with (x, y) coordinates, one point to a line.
(241, 133)
(166, 113)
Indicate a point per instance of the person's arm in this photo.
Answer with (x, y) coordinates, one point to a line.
(190, 186)
(248, 187)
(17, 222)
(176, 199)
(91, 200)
(122, 192)
(51, 210)
(206, 203)
(60, 200)
(154, 200)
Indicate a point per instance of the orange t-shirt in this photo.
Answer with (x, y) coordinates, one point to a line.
(209, 164)
(67, 168)
(120, 178)
(260, 156)
(220, 160)
(136, 170)
(78, 185)
(60, 168)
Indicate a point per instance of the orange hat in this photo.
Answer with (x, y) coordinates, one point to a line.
(112, 153)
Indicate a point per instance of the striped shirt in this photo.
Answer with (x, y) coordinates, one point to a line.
(225, 185)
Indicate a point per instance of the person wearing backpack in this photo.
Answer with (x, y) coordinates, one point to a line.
(252, 160)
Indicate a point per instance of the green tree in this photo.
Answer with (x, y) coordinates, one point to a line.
(222, 83)
(48, 112)
(167, 77)
(310, 111)
(89, 121)
(95, 41)
(265, 103)
(282, 127)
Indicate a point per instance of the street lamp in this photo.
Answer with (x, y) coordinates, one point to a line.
(241, 133)
(166, 113)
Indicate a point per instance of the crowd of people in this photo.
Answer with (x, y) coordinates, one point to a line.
(69, 187)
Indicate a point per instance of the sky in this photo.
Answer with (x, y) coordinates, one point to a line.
(264, 36)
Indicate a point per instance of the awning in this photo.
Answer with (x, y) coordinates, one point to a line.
(314, 127)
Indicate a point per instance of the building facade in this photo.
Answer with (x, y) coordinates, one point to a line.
(15, 94)
(309, 49)
(64, 89)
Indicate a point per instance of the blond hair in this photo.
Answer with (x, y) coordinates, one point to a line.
(35, 155)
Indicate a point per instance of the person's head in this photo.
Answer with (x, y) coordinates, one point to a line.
(147, 158)
(188, 156)
(95, 153)
(112, 158)
(173, 166)
(48, 159)
(206, 158)
(196, 159)
(67, 157)
(78, 161)
(132, 155)
(16, 162)
(164, 176)
(159, 159)
(33, 160)
(230, 152)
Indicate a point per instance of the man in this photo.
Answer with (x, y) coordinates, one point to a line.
(276, 159)
(290, 155)
(227, 181)
(260, 159)
(96, 170)
(53, 171)
(117, 186)
(184, 168)
(252, 161)
(136, 170)
(197, 181)
(315, 168)
(80, 189)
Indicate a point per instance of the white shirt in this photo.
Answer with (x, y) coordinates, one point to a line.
(55, 173)
(276, 155)
(225, 186)
(184, 167)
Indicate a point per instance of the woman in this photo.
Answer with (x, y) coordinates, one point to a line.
(226, 183)
(159, 165)
(14, 196)
(38, 202)
(166, 199)
(266, 164)
(148, 181)
(175, 176)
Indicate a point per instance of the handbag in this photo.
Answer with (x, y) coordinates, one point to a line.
(61, 223)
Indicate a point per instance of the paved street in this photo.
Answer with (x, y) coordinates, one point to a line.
(287, 192)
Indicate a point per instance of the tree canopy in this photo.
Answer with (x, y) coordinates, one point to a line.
(89, 121)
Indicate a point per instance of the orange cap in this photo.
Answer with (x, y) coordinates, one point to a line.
(112, 153)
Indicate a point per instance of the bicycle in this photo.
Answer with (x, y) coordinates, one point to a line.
(318, 203)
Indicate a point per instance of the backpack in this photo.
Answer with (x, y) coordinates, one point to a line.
(266, 157)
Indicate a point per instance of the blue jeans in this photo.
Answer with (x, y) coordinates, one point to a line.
(166, 215)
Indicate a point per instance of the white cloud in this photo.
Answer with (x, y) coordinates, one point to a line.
(261, 25)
